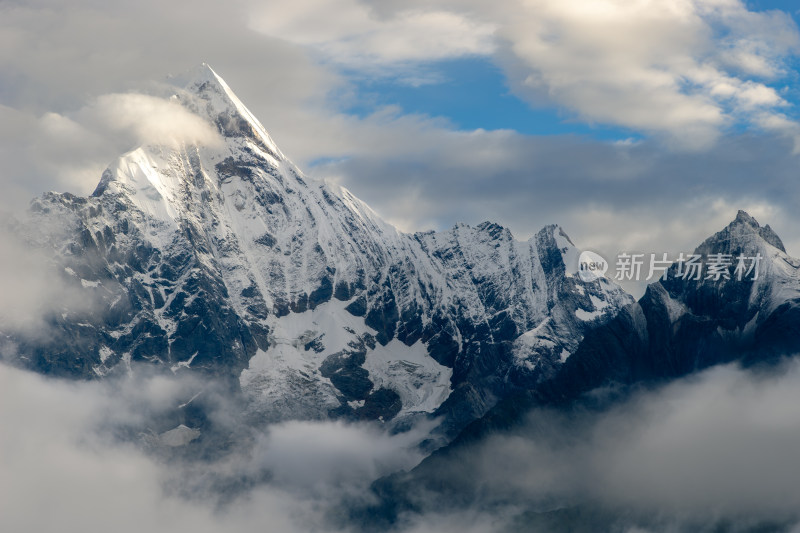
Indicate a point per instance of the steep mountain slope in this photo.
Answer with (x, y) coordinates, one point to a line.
(222, 258)
(681, 325)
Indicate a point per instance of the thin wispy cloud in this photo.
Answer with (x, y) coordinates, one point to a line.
(357, 36)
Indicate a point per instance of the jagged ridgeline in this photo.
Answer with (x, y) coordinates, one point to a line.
(222, 258)
(682, 325)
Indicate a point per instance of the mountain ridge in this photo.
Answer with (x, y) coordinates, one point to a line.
(679, 327)
(224, 259)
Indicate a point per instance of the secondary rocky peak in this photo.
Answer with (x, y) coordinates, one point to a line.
(743, 234)
(743, 217)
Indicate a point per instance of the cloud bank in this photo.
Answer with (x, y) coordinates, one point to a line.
(81, 457)
(716, 448)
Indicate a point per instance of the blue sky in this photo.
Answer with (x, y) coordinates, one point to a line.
(784, 5)
(472, 93)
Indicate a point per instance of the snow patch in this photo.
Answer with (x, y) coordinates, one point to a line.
(179, 436)
(421, 382)
(183, 364)
(287, 374)
(569, 253)
(105, 353)
(586, 316)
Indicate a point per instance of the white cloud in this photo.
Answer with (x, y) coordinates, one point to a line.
(334, 456)
(32, 289)
(681, 70)
(61, 473)
(715, 444)
(684, 71)
(69, 151)
(72, 460)
(356, 35)
(714, 448)
(46, 152)
(145, 119)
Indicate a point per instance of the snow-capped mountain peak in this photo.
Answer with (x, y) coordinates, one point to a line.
(226, 259)
(205, 93)
(744, 233)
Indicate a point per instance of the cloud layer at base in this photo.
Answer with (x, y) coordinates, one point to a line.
(74, 458)
(717, 446)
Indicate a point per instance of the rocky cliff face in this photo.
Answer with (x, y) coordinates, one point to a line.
(682, 324)
(224, 259)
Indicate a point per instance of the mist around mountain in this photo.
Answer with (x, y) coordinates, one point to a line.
(214, 341)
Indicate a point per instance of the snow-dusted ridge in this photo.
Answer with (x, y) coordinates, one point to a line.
(226, 259)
